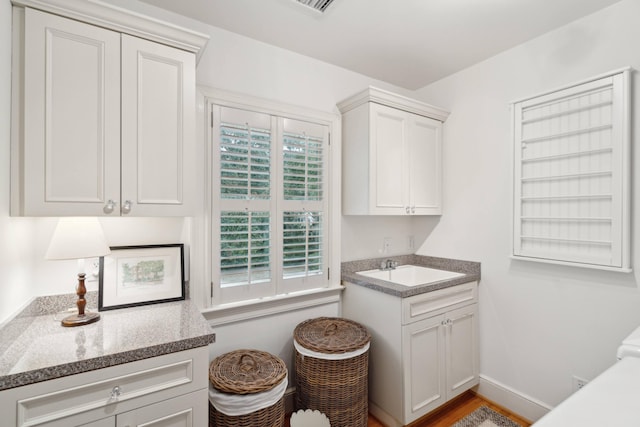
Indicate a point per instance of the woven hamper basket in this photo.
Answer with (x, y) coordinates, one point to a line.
(245, 373)
(335, 379)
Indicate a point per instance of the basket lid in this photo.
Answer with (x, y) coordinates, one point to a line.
(331, 335)
(246, 371)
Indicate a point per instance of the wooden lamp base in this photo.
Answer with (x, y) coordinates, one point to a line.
(81, 318)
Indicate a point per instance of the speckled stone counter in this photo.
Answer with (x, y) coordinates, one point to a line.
(470, 269)
(34, 346)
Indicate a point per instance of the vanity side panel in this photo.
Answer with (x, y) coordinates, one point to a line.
(381, 314)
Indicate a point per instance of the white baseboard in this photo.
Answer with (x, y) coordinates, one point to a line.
(382, 416)
(525, 406)
(520, 404)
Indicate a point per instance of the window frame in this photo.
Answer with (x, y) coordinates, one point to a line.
(211, 98)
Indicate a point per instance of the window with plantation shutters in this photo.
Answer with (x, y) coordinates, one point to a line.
(269, 205)
(303, 204)
(571, 189)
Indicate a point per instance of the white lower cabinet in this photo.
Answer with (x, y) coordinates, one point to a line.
(164, 391)
(424, 348)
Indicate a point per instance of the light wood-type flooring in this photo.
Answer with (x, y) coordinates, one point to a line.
(453, 412)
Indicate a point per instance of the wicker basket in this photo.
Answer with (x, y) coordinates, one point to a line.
(244, 372)
(333, 382)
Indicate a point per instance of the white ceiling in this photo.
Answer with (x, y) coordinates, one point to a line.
(409, 43)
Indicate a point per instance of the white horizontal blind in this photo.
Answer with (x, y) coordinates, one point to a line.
(303, 164)
(242, 216)
(571, 175)
(245, 252)
(303, 158)
(244, 161)
(302, 243)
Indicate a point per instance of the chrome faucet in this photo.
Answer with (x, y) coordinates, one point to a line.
(388, 265)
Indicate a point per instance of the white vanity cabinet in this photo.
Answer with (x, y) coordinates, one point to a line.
(424, 348)
(103, 120)
(392, 155)
(168, 390)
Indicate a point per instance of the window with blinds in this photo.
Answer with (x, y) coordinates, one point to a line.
(571, 180)
(268, 204)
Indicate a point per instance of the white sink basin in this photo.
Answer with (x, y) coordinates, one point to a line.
(411, 275)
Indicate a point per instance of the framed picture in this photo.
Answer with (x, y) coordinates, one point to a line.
(139, 275)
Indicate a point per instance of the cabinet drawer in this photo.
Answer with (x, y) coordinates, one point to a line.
(111, 390)
(421, 306)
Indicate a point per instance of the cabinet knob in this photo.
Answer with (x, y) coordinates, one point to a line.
(109, 207)
(126, 207)
(115, 393)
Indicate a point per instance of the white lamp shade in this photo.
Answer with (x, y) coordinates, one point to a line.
(76, 238)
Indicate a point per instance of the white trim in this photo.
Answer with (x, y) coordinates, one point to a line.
(244, 101)
(390, 99)
(519, 403)
(237, 312)
(115, 18)
(382, 416)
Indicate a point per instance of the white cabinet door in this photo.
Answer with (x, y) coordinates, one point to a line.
(424, 367)
(108, 123)
(189, 410)
(462, 350)
(158, 129)
(389, 175)
(71, 158)
(405, 163)
(425, 165)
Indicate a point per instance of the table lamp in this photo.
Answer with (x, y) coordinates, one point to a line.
(78, 238)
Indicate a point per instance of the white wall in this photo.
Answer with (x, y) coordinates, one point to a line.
(239, 64)
(539, 324)
(229, 63)
(16, 256)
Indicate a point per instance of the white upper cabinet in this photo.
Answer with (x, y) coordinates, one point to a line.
(158, 129)
(392, 155)
(103, 123)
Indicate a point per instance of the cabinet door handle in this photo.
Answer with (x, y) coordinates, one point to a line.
(115, 393)
(408, 209)
(126, 207)
(413, 209)
(109, 207)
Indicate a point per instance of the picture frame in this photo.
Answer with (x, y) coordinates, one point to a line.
(139, 275)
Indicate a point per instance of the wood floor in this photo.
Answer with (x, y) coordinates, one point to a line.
(454, 411)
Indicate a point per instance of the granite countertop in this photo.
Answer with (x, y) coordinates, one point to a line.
(470, 269)
(34, 346)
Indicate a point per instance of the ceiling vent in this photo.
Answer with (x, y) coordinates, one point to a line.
(319, 5)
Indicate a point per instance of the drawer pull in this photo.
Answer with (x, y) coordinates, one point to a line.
(115, 393)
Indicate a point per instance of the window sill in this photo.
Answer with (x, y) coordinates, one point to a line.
(236, 312)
